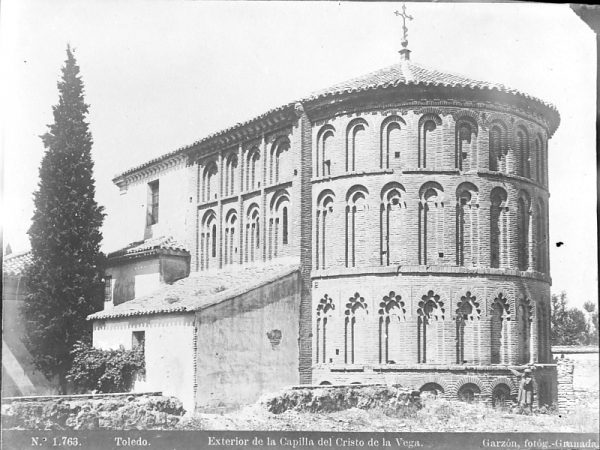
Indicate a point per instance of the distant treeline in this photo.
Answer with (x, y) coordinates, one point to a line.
(571, 325)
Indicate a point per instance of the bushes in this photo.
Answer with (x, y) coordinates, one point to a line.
(104, 370)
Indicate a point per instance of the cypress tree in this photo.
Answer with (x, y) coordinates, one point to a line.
(65, 277)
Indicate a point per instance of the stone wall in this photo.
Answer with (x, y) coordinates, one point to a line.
(391, 400)
(248, 346)
(114, 412)
(566, 394)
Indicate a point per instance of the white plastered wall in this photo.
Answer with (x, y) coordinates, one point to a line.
(168, 350)
(132, 206)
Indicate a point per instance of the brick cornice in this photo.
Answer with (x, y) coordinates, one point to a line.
(340, 272)
(455, 102)
(150, 171)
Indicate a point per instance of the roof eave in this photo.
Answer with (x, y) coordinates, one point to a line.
(263, 123)
(314, 104)
(219, 299)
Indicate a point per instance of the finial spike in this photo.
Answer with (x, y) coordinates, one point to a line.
(404, 52)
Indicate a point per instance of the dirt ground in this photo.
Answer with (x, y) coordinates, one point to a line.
(436, 415)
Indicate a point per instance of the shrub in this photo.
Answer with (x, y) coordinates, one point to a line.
(104, 371)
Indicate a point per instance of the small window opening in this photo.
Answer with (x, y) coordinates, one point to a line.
(138, 340)
(153, 203)
(108, 288)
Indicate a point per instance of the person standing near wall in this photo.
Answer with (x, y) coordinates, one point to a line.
(526, 389)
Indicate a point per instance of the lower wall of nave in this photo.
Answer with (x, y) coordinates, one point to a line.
(492, 384)
(434, 319)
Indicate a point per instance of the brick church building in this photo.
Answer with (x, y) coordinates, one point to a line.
(389, 229)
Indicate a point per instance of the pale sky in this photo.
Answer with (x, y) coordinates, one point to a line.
(163, 74)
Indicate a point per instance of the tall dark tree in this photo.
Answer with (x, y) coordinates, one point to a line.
(65, 278)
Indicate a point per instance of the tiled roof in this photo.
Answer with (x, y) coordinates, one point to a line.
(205, 139)
(409, 73)
(157, 243)
(406, 73)
(15, 264)
(203, 289)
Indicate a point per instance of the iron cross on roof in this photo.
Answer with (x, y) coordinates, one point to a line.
(404, 29)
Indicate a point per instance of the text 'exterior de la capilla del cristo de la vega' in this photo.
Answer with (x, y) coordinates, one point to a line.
(389, 229)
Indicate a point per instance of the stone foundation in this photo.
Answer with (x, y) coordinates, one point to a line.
(490, 384)
(113, 412)
(392, 400)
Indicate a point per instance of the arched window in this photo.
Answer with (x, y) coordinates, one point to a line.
(431, 213)
(278, 227)
(357, 227)
(355, 329)
(253, 169)
(208, 241)
(542, 338)
(214, 241)
(465, 148)
(323, 228)
(280, 164)
(468, 392)
(431, 390)
(392, 224)
(430, 139)
(500, 314)
(523, 206)
(209, 187)
(522, 144)
(541, 237)
(252, 238)
(537, 144)
(324, 319)
(501, 395)
(467, 224)
(497, 147)
(467, 314)
(231, 164)
(498, 227)
(541, 160)
(230, 249)
(391, 318)
(393, 141)
(356, 140)
(430, 313)
(524, 318)
(324, 148)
